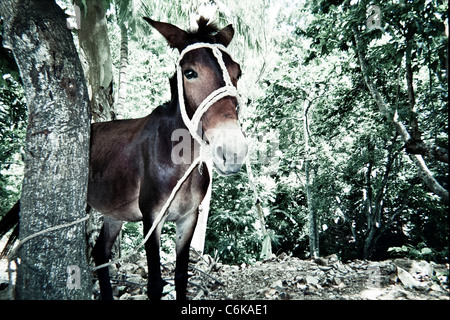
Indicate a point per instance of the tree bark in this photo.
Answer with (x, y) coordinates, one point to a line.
(424, 173)
(312, 217)
(122, 91)
(52, 265)
(94, 44)
(374, 203)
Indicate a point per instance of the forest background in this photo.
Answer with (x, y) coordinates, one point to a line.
(347, 119)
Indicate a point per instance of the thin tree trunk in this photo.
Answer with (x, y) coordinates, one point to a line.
(52, 265)
(266, 245)
(374, 203)
(122, 91)
(312, 217)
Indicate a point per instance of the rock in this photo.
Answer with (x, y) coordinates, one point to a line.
(333, 258)
(269, 292)
(405, 264)
(289, 277)
(301, 287)
(393, 278)
(325, 268)
(139, 297)
(125, 296)
(142, 272)
(277, 285)
(371, 294)
(312, 280)
(113, 271)
(283, 256)
(284, 296)
(422, 267)
(406, 279)
(321, 261)
(436, 287)
(340, 267)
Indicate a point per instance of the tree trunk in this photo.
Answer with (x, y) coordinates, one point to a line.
(312, 217)
(266, 245)
(94, 44)
(95, 50)
(52, 265)
(376, 226)
(122, 91)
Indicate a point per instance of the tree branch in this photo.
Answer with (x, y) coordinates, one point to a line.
(415, 133)
(424, 173)
(415, 145)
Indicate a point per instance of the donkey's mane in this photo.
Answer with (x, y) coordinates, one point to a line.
(205, 32)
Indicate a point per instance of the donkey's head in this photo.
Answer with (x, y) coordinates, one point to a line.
(202, 74)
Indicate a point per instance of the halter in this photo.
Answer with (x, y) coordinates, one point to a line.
(213, 97)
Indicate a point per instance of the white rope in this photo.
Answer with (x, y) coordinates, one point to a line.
(13, 254)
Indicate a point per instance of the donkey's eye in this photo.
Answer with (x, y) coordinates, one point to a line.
(190, 74)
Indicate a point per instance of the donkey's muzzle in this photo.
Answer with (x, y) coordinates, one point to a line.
(229, 151)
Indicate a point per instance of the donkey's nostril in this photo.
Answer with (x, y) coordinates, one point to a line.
(220, 154)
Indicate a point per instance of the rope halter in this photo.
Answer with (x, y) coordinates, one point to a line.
(226, 91)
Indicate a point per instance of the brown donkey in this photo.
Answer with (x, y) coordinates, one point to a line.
(133, 168)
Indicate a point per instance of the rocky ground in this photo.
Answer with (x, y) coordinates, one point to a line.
(286, 277)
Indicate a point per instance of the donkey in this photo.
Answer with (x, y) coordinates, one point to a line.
(132, 171)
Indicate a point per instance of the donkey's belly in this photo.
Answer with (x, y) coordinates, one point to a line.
(126, 212)
(122, 206)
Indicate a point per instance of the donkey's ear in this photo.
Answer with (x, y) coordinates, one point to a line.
(225, 35)
(176, 37)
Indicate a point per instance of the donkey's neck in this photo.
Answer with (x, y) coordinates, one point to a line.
(173, 118)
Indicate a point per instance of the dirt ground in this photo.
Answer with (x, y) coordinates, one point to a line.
(283, 278)
(289, 278)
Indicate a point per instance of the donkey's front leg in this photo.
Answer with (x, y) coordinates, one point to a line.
(155, 282)
(185, 231)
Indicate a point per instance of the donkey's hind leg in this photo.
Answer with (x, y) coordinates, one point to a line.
(102, 254)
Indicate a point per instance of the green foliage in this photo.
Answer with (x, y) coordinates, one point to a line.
(418, 253)
(12, 137)
(233, 229)
(355, 152)
(131, 237)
